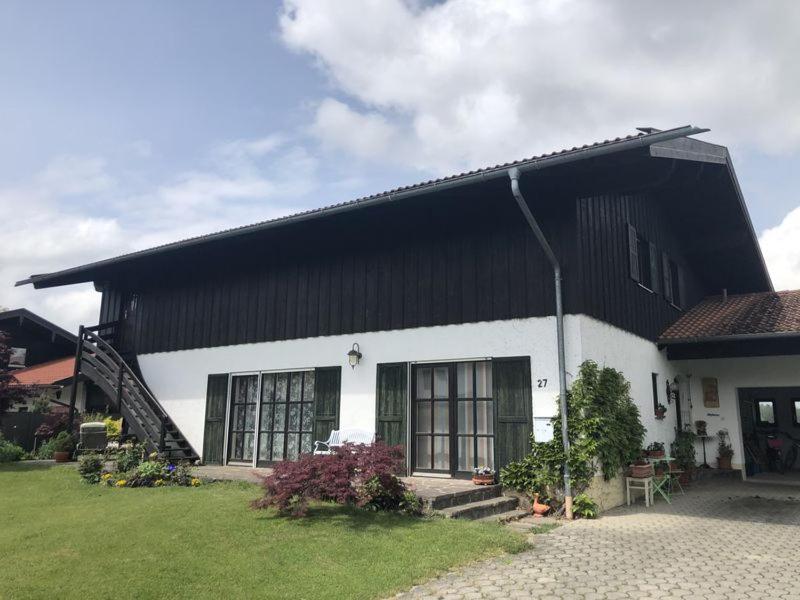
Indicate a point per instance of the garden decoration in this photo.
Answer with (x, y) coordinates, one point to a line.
(483, 476)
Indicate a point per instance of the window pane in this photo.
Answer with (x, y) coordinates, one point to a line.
(277, 446)
(264, 444)
(441, 417)
(238, 417)
(797, 412)
(306, 443)
(441, 383)
(423, 417)
(296, 387)
(464, 379)
(280, 417)
(266, 417)
(483, 379)
(441, 453)
(250, 417)
(423, 451)
(292, 446)
(248, 446)
(766, 412)
(423, 383)
(486, 452)
(485, 416)
(308, 416)
(267, 387)
(465, 416)
(236, 446)
(465, 454)
(308, 386)
(281, 383)
(294, 417)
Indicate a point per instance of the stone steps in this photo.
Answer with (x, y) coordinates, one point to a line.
(475, 494)
(480, 508)
(506, 517)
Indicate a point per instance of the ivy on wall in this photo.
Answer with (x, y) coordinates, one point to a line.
(605, 433)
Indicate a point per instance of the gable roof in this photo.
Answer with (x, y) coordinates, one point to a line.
(22, 314)
(647, 138)
(49, 373)
(744, 316)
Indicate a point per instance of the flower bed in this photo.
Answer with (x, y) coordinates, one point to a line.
(131, 466)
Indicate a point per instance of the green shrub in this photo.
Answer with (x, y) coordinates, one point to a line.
(113, 428)
(9, 451)
(682, 449)
(584, 507)
(605, 432)
(90, 467)
(45, 450)
(129, 457)
(63, 442)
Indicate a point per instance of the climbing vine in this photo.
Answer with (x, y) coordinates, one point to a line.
(605, 433)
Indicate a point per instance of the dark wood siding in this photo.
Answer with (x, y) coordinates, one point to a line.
(609, 291)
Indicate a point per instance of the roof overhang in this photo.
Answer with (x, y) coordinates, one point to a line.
(23, 314)
(94, 271)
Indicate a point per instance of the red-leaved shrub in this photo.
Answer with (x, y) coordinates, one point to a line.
(356, 475)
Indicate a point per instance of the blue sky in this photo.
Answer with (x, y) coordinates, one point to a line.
(131, 124)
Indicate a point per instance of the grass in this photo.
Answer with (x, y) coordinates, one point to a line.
(543, 528)
(63, 538)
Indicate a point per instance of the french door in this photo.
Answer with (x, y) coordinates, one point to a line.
(242, 428)
(452, 417)
(286, 416)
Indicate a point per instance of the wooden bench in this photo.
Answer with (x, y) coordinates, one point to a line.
(339, 437)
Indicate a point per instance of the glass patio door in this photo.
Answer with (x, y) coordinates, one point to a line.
(453, 417)
(242, 429)
(286, 416)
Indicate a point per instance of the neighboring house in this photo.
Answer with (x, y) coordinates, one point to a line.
(426, 313)
(43, 360)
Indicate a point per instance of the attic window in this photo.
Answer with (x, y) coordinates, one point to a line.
(643, 260)
(673, 280)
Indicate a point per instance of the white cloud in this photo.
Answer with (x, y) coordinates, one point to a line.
(464, 83)
(782, 251)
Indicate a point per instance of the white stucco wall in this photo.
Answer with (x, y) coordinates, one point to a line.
(732, 374)
(178, 379)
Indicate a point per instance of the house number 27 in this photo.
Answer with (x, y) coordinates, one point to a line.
(541, 383)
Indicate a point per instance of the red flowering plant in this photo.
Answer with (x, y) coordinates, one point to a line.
(355, 475)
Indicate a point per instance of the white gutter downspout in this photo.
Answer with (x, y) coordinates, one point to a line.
(514, 174)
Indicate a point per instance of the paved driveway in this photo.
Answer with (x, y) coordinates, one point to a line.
(720, 540)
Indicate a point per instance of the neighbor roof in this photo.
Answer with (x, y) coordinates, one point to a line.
(22, 314)
(48, 373)
(719, 318)
(652, 136)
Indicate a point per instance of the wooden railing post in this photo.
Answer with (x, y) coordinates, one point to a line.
(119, 385)
(163, 435)
(73, 395)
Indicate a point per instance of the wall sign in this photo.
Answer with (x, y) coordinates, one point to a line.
(710, 392)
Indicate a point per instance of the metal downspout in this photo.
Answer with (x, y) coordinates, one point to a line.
(514, 175)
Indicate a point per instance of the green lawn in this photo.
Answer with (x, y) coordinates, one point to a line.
(60, 538)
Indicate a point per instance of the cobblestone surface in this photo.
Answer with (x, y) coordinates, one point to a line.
(720, 540)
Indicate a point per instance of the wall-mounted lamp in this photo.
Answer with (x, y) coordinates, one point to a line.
(354, 356)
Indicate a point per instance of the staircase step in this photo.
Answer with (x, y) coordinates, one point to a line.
(480, 509)
(475, 494)
(506, 517)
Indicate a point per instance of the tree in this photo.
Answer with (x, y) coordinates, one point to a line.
(10, 390)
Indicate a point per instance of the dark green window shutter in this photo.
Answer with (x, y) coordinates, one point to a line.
(511, 383)
(327, 393)
(390, 404)
(633, 253)
(655, 280)
(667, 271)
(680, 301)
(216, 404)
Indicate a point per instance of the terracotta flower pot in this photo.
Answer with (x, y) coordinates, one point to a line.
(655, 453)
(483, 479)
(61, 457)
(724, 462)
(641, 471)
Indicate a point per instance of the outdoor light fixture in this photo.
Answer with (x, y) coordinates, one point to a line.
(354, 356)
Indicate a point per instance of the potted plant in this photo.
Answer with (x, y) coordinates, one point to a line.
(661, 412)
(683, 451)
(63, 445)
(724, 450)
(640, 469)
(483, 476)
(701, 428)
(655, 450)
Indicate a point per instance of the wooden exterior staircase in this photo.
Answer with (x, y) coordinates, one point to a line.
(97, 360)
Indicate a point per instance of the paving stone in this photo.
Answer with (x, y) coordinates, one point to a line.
(697, 547)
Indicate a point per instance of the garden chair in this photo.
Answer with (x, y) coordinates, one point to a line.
(340, 437)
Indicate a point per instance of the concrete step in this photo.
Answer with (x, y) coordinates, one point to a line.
(475, 494)
(480, 508)
(506, 517)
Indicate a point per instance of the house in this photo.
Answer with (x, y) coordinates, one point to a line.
(43, 360)
(427, 313)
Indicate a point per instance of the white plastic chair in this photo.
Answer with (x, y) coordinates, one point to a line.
(339, 437)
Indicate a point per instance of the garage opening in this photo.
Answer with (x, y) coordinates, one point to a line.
(771, 433)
